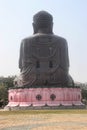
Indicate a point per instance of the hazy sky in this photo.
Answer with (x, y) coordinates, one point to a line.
(70, 21)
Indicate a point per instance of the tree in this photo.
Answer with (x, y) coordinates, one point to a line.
(5, 84)
(7, 81)
(3, 95)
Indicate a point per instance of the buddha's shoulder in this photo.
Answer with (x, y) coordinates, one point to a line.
(35, 36)
(27, 39)
(59, 38)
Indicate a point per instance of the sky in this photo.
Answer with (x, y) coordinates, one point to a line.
(70, 22)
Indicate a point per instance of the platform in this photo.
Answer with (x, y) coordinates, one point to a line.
(44, 97)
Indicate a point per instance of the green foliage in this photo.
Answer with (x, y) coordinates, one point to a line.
(7, 81)
(3, 94)
(84, 94)
(5, 84)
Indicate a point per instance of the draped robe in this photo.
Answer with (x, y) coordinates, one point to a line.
(43, 61)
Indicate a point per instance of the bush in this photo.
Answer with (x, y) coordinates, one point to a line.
(3, 95)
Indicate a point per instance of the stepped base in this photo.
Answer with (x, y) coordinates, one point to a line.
(10, 108)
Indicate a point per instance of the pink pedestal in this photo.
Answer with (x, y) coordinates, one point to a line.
(44, 96)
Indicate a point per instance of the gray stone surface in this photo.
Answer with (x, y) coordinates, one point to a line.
(45, 107)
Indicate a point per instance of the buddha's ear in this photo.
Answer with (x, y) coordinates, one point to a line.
(34, 27)
(52, 25)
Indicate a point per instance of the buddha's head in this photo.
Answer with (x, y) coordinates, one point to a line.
(43, 22)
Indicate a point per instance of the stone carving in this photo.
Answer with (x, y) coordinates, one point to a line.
(38, 97)
(44, 57)
(52, 97)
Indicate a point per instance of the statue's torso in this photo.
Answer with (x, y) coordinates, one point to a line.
(44, 59)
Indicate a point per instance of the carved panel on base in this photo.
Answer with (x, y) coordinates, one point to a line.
(44, 97)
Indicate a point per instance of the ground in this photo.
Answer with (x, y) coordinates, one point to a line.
(43, 120)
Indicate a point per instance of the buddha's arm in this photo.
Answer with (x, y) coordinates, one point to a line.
(21, 55)
(64, 56)
(67, 55)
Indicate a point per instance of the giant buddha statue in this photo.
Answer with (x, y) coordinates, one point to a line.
(44, 59)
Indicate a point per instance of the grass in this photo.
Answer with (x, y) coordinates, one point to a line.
(33, 112)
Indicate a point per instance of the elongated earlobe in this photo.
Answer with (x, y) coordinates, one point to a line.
(34, 28)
